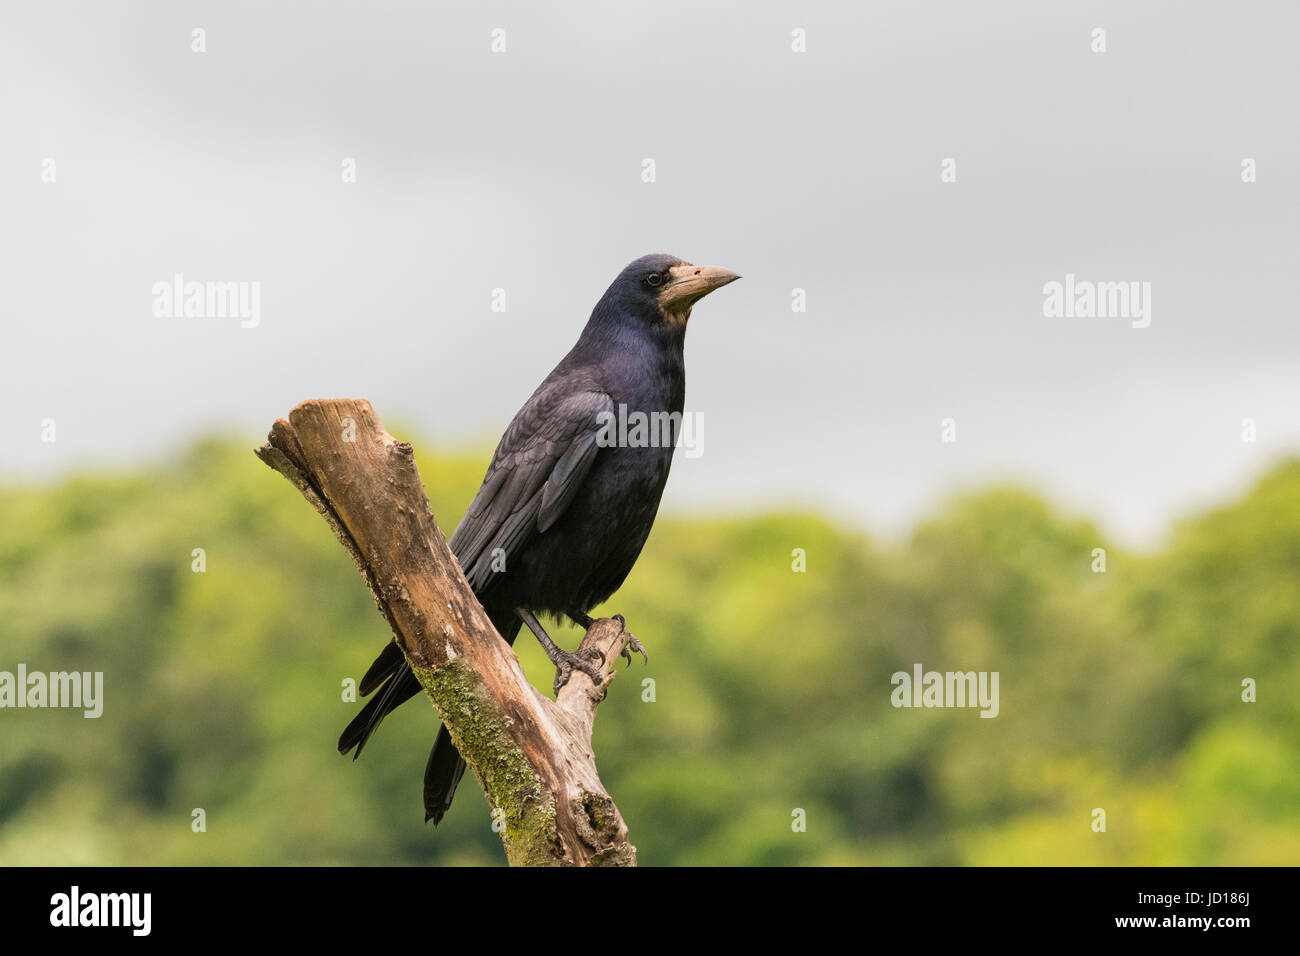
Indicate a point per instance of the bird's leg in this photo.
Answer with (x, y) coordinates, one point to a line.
(564, 661)
(585, 621)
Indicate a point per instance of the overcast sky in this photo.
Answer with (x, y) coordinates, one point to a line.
(818, 170)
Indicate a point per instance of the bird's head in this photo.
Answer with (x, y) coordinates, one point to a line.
(663, 288)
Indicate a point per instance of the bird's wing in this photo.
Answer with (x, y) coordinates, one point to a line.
(538, 467)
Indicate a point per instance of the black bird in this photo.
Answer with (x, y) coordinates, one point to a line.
(565, 508)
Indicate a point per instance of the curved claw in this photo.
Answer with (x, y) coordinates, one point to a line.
(632, 643)
(635, 645)
(562, 671)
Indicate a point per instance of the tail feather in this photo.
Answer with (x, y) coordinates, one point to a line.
(397, 690)
(441, 777)
(388, 663)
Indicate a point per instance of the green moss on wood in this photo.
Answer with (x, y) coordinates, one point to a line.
(482, 735)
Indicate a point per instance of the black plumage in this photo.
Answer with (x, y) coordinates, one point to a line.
(562, 515)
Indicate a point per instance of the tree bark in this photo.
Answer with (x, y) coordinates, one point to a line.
(532, 755)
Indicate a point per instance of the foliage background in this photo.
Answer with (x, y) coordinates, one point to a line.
(223, 689)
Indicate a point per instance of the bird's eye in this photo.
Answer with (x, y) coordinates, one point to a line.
(654, 278)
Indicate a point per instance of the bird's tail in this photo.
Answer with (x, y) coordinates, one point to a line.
(392, 676)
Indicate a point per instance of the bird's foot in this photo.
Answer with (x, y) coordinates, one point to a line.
(566, 663)
(583, 660)
(632, 643)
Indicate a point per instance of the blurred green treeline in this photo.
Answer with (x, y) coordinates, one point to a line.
(223, 690)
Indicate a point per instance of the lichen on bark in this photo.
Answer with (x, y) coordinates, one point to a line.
(509, 779)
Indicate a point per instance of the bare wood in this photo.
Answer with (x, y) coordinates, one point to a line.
(532, 755)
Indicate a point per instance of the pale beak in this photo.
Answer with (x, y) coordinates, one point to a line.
(687, 284)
